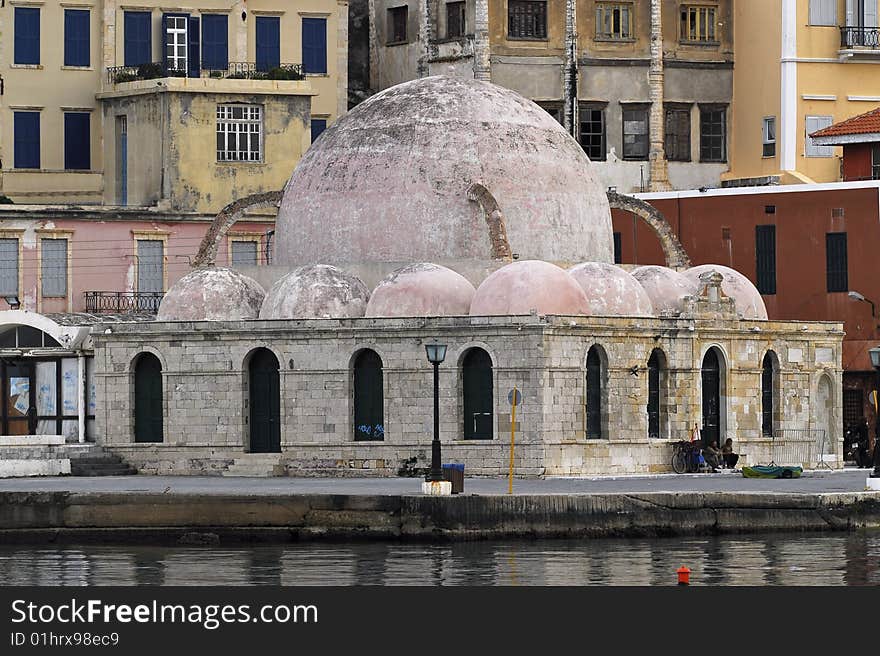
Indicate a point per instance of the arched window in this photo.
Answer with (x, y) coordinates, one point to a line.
(594, 394)
(369, 413)
(148, 406)
(711, 379)
(264, 391)
(476, 376)
(655, 400)
(767, 393)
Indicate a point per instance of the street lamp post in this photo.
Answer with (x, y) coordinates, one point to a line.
(434, 483)
(875, 362)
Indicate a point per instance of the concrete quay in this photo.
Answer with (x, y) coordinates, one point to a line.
(205, 510)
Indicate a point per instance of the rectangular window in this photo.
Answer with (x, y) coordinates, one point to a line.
(769, 136)
(823, 12)
(526, 19)
(678, 134)
(835, 262)
(239, 133)
(592, 132)
(698, 24)
(244, 253)
(713, 134)
(318, 126)
(176, 42)
(8, 267)
(635, 133)
(875, 163)
(215, 42)
(26, 147)
(618, 249)
(53, 267)
(765, 258)
(398, 17)
(77, 141)
(456, 18)
(138, 42)
(150, 266)
(76, 37)
(27, 35)
(314, 45)
(814, 123)
(614, 20)
(268, 42)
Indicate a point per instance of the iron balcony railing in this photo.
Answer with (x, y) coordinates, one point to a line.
(122, 302)
(860, 37)
(234, 71)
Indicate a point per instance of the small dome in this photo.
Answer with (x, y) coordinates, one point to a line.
(317, 291)
(421, 290)
(212, 294)
(666, 288)
(521, 287)
(746, 296)
(611, 291)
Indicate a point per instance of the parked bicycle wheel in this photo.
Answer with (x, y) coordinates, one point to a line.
(679, 462)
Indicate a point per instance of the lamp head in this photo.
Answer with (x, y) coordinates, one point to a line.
(855, 296)
(436, 352)
(13, 302)
(875, 357)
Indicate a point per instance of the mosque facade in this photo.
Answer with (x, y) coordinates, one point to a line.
(454, 211)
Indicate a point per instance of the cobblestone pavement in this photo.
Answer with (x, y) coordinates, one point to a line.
(811, 482)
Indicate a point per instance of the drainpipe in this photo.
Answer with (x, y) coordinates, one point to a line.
(570, 71)
(659, 175)
(482, 67)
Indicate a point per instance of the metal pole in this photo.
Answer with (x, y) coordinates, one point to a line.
(512, 429)
(436, 469)
(876, 472)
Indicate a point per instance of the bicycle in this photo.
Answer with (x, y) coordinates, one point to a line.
(685, 457)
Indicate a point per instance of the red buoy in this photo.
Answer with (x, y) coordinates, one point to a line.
(684, 575)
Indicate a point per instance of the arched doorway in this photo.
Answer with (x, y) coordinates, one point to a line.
(824, 415)
(711, 378)
(594, 394)
(476, 374)
(369, 414)
(768, 393)
(265, 402)
(148, 402)
(655, 368)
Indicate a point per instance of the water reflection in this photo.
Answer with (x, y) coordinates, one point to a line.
(775, 559)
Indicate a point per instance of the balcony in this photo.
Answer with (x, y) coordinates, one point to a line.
(235, 71)
(122, 302)
(859, 42)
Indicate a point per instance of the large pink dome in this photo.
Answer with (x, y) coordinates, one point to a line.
(318, 291)
(389, 181)
(521, 287)
(212, 294)
(611, 291)
(746, 296)
(421, 290)
(666, 288)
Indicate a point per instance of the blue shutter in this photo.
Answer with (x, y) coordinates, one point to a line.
(77, 141)
(27, 35)
(193, 48)
(138, 38)
(314, 45)
(268, 42)
(164, 41)
(215, 42)
(26, 126)
(76, 37)
(318, 126)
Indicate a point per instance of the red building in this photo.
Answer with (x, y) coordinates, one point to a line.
(860, 138)
(806, 247)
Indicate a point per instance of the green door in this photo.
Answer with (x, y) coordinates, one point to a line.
(148, 410)
(265, 402)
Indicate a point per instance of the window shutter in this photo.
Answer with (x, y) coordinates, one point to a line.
(244, 253)
(151, 265)
(268, 42)
(138, 39)
(851, 13)
(811, 150)
(8, 267)
(314, 45)
(193, 31)
(26, 145)
(54, 267)
(76, 37)
(318, 126)
(77, 142)
(870, 13)
(27, 35)
(165, 44)
(215, 42)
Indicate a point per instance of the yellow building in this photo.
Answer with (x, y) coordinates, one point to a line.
(110, 103)
(801, 65)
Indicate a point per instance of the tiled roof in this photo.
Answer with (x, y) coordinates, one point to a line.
(867, 123)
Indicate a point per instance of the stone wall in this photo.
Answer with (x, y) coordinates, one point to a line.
(205, 381)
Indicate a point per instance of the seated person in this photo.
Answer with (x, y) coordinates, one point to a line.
(730, 458)
(713, 455)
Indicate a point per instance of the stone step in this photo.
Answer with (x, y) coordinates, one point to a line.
(253, 470)
(101, 469)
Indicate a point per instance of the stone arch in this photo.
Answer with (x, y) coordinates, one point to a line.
(823, 415)
(477, 193)
(225, 219)
(676, 257)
